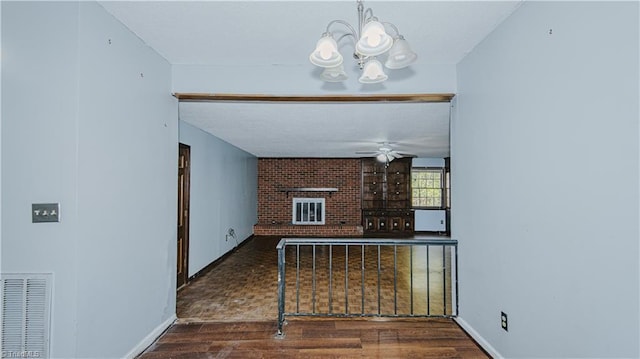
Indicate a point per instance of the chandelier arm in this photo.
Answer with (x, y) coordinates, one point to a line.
(368, 14)
(360, 19)
(345, 35)
(394, 27)
(342, 22)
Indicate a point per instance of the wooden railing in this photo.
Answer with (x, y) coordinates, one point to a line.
(334, 277)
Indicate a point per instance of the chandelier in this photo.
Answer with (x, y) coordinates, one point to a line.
(371, 40)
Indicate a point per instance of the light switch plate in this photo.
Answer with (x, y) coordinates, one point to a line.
(45, 212)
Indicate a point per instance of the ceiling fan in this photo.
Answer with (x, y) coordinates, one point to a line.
(385, 153)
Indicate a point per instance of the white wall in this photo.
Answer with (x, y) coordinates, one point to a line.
(224, 194)
(82, 127)
(547, 234)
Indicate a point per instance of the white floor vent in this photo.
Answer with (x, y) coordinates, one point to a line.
(26, 304)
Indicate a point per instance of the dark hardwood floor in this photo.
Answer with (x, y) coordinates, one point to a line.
(317, 338)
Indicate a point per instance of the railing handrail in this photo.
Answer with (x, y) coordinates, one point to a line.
(365, 241)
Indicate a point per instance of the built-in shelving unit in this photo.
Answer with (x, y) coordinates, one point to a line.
(386, 197)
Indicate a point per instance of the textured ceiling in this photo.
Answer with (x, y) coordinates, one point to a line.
(324, 129)
(255, 33)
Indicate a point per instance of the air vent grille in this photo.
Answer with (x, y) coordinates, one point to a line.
(26, 301)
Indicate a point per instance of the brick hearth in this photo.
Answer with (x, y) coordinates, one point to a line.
(289, 230)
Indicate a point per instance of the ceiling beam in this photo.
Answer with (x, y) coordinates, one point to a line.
(212, 97)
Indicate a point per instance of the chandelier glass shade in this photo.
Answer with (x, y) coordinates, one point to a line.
(400, 55)
(372, 72)
(371, 39)
(374, 40)
(326, 53)
(334, 74)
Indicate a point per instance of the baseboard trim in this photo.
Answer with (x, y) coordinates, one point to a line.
(478, 338)
(150, 338)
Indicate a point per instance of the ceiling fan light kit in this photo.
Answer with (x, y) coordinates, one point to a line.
(385, 158)
(385, 153)
(371, 39)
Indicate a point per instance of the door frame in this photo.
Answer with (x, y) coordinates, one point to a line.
(184, 192)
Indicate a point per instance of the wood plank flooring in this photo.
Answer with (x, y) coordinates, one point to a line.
(317, 338)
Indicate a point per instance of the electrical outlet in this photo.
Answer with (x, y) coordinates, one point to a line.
(503, 321)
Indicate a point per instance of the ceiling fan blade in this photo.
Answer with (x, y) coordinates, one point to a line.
(406, 155)
(395, 154)
(367, 152)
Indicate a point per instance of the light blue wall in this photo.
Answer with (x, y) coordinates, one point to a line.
(82, 127)
(548, 234)
(127, 185)
(224, 194)
(304, 80)
(39, 139)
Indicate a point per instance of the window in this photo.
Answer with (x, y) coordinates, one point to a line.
(426, 187)
(447, 189)
(308, 211)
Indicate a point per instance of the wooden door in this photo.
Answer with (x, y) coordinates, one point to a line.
(183, 214)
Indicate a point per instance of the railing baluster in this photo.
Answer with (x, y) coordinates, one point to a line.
(444, 281)
(330, 278)
(297, 278)
(428, 283)
(313, 281)
(378, 279)
(456, 277)
(411, 275)
(346, 279)
(362, 265)
(281, 291)
(395, 280)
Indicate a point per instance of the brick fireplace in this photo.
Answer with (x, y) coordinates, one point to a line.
(282, 179)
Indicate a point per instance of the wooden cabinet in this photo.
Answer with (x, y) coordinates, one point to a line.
(373, 179)
(386, 197)
(388, 221)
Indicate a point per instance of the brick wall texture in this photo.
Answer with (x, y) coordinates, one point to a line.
(342, 208)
